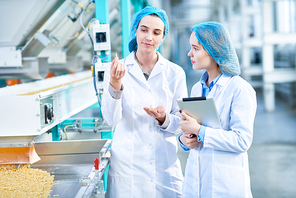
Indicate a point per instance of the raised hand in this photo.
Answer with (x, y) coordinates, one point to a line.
(117, 71)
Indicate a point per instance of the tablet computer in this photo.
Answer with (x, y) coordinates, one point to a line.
(202, 109)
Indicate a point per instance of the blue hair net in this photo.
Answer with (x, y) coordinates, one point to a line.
(132, 40)
(215, 38)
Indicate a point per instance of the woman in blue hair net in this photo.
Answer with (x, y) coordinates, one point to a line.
(140, 93)
(217, 165)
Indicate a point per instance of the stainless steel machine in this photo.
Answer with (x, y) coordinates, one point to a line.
(36, 37)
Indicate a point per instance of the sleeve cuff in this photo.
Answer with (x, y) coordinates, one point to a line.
(116, 94)
(201, 134)
(165, 124)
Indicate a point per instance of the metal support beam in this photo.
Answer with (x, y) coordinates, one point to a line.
(138, 5)
(269, 96)
(102, 14)
(56, 133)
(268, 56)
(125, 25)
(280, 38)
(280, 76)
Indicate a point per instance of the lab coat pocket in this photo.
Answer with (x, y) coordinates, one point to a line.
(229, 181)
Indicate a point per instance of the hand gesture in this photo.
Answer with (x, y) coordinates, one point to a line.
(189, 140)
(157, 113)
(188, 124)
(117, 71)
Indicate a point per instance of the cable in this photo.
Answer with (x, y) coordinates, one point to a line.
(88, 25)
(95, 57)
(106, 56)
(79, 4)
(101, 125)
(82, 15)
(65, 130)
(94, 60)
(76, 17)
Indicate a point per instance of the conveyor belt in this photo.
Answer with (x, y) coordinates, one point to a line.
(67, 177)
(79, 166)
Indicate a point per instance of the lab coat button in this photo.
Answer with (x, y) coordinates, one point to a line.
(151, 180)
(150, 163)
(150, 144)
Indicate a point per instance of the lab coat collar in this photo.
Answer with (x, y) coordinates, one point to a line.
(130, 60)
(158, 66)
(135, 70)
(223, 80)
(220, 85)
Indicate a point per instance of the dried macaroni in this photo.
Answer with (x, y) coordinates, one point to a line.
(24, 182)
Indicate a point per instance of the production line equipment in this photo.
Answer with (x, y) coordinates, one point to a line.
(34, 115)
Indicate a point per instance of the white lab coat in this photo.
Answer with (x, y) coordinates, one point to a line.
(219, 167)
(144, 159)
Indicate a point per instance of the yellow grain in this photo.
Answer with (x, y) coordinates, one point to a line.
(23, 181)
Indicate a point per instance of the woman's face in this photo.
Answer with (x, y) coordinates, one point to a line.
(199, 57)
(150, 33)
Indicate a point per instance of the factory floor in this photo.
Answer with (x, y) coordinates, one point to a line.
(272, 156)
